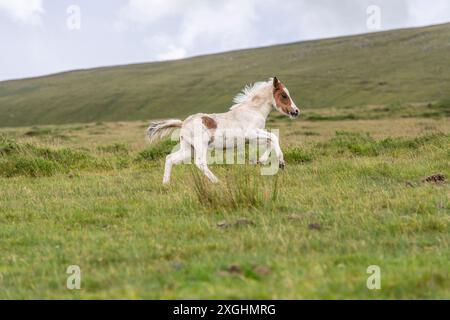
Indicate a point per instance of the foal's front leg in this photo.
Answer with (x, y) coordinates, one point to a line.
(265, 157)
(274, 144)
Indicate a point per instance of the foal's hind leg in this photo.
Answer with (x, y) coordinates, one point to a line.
(201, 151)
(176, 158)
(201, 164)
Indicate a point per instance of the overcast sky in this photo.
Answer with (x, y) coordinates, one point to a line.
(46, 36)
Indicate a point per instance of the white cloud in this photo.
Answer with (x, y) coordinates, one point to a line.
(178, 28)
(172, 53)
(149, 11)
(23, 11)
(425, 12)
(163, 48)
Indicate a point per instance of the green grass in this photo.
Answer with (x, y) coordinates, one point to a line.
(157, 151)
(390, 69)
(343, 203)
(29, 160)
(364, 145)
(87, 191)
(242, 189)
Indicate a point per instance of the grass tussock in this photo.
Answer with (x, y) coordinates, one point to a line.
(45, 133)
(24, 159)
(359, 144)
(116, 148)
(341, 117)
(394, 110)
(242, 188)
(437, 110)
(38, 132)
(157, 151)
(297, 155)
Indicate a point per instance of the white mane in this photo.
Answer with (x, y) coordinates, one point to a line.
(249, 92)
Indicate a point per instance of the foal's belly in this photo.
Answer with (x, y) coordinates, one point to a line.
(228, 140)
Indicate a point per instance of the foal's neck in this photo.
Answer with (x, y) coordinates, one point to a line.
(263, 109)
(262, 103)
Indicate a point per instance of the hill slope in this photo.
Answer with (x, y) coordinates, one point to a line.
(411, 65)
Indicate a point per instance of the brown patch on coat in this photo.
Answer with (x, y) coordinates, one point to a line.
(209, 122)
(282, 100)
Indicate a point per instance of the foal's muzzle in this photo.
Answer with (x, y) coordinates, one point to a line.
(295, 113)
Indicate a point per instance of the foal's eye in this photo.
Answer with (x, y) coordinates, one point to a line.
(284, 96)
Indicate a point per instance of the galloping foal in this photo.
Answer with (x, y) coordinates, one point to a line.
(246, 119)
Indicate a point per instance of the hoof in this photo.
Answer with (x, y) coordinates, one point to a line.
(281, 165)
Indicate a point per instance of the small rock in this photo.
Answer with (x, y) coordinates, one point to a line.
(238, 223)
(177, 265)
(261, 270)
(234, 268)
(294, 217)
(436, 178)
(223, 224)
(244, 222)
(314, 226)
(409, 184)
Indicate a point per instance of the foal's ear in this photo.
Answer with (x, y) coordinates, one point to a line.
(276, 83)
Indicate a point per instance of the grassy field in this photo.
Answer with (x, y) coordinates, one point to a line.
(366, 181)
(388, 68)
(352, 195)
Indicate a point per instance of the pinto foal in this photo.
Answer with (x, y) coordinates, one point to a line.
(246, 119)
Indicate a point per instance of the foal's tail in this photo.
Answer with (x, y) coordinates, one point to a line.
(161, 129)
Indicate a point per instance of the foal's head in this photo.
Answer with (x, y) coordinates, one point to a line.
(283, 101)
